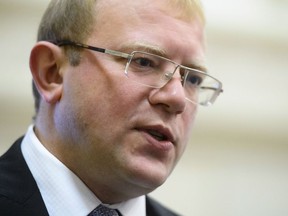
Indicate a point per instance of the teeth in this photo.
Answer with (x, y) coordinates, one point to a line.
(157, 135)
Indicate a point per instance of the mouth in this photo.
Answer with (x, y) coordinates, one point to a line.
(159, 133)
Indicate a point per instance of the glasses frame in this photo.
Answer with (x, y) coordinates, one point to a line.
(217, 92)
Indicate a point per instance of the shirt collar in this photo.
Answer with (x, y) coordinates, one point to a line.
(62, 191)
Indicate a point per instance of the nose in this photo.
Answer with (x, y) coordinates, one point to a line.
(171, 96)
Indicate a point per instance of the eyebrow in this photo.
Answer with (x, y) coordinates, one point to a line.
(197, 66)
(145, 47)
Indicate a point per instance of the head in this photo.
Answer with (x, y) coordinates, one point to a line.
(74, 20)
(111, 131)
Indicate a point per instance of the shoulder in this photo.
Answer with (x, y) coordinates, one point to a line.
(12, 173)
(154, 208)
(12, 166)
(18, 190)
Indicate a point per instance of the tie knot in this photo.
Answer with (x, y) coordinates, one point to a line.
(103, 211)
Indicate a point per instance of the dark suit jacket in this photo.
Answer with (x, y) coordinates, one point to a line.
(19, 194)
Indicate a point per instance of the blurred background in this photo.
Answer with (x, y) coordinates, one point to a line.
(237, 161)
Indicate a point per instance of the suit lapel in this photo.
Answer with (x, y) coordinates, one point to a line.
(18, 188)
(153, 208)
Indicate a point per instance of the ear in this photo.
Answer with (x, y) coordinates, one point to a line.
(45, 66)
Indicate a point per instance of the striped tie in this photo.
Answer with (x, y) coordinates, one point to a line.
(104, 211)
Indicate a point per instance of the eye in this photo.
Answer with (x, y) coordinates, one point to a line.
(193, 79)
(144, 62)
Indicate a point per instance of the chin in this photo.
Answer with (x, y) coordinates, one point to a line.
(149, 176)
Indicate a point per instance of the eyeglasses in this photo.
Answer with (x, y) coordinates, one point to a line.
(156, 71)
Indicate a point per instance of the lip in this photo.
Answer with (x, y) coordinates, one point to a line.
(168, 141)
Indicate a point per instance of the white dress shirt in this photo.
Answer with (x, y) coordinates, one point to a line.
(62, 191)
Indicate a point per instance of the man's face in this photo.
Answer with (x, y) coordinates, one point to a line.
(120, 133)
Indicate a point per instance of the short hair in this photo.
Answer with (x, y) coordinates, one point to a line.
(65, 20)
(74, 20)
(189, 9)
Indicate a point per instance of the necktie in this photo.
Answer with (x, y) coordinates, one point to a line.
(104, 211)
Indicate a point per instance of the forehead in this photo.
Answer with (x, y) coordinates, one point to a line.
(157, 23)
(182, 9)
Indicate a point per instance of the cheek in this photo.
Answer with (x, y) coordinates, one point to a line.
(188, 119)
(191, 116)
(104, 97)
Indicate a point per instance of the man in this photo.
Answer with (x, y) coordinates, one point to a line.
(116, 86)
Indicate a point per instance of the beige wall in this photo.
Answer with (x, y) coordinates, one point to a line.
(236, 163)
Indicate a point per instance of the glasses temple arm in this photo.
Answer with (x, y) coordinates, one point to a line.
(97, 49)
